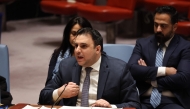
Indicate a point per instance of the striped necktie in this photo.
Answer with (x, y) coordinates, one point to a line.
(85, 88)
(155, 98)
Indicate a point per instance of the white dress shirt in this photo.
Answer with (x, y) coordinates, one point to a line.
(94, 75)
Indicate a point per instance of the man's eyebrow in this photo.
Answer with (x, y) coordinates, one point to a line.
(78, 43)
(83, 43)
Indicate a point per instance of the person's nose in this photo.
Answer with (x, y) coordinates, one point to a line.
(77, 49)
(159, 29)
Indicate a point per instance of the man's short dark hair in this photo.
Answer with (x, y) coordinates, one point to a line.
(168, 10)
(96, 36)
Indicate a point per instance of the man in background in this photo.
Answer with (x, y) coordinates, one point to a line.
(6, 97)
(160, 64)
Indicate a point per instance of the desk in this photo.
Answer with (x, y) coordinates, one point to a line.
(21, 105)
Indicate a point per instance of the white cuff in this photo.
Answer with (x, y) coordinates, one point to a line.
(55, 95)
(161, 71)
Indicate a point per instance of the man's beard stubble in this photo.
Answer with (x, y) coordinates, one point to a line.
(161, 38)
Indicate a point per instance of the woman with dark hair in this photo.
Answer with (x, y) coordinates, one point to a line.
(66, 49)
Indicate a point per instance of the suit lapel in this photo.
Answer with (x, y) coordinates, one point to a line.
(171, 47)
(152, 50)
(103, 74)
(76, 73)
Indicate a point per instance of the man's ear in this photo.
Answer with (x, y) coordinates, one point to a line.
(175, 27)
(98, 48)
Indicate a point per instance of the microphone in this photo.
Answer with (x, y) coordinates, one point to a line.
(59, 96)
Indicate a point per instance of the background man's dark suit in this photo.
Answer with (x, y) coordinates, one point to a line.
(177, 55)
(6, 97)
(116, 85)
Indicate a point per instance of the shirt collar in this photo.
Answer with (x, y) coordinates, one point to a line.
(167, 42)
(96, 65)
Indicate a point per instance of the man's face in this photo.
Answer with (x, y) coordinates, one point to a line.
(85, 52)
(163, 28)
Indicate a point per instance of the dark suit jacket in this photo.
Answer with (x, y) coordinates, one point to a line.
(6, 97)
(52, 64)
(177, 55)
(115, 84)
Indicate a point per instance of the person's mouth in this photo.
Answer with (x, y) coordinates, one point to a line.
(79, 58)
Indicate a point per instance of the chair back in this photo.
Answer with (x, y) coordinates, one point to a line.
(87, 1)
(189, 14)
(126, 4)
(120, 51)
(4, 64)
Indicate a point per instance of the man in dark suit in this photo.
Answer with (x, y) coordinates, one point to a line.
(171, 80)
(111, 84)
(5, 96)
